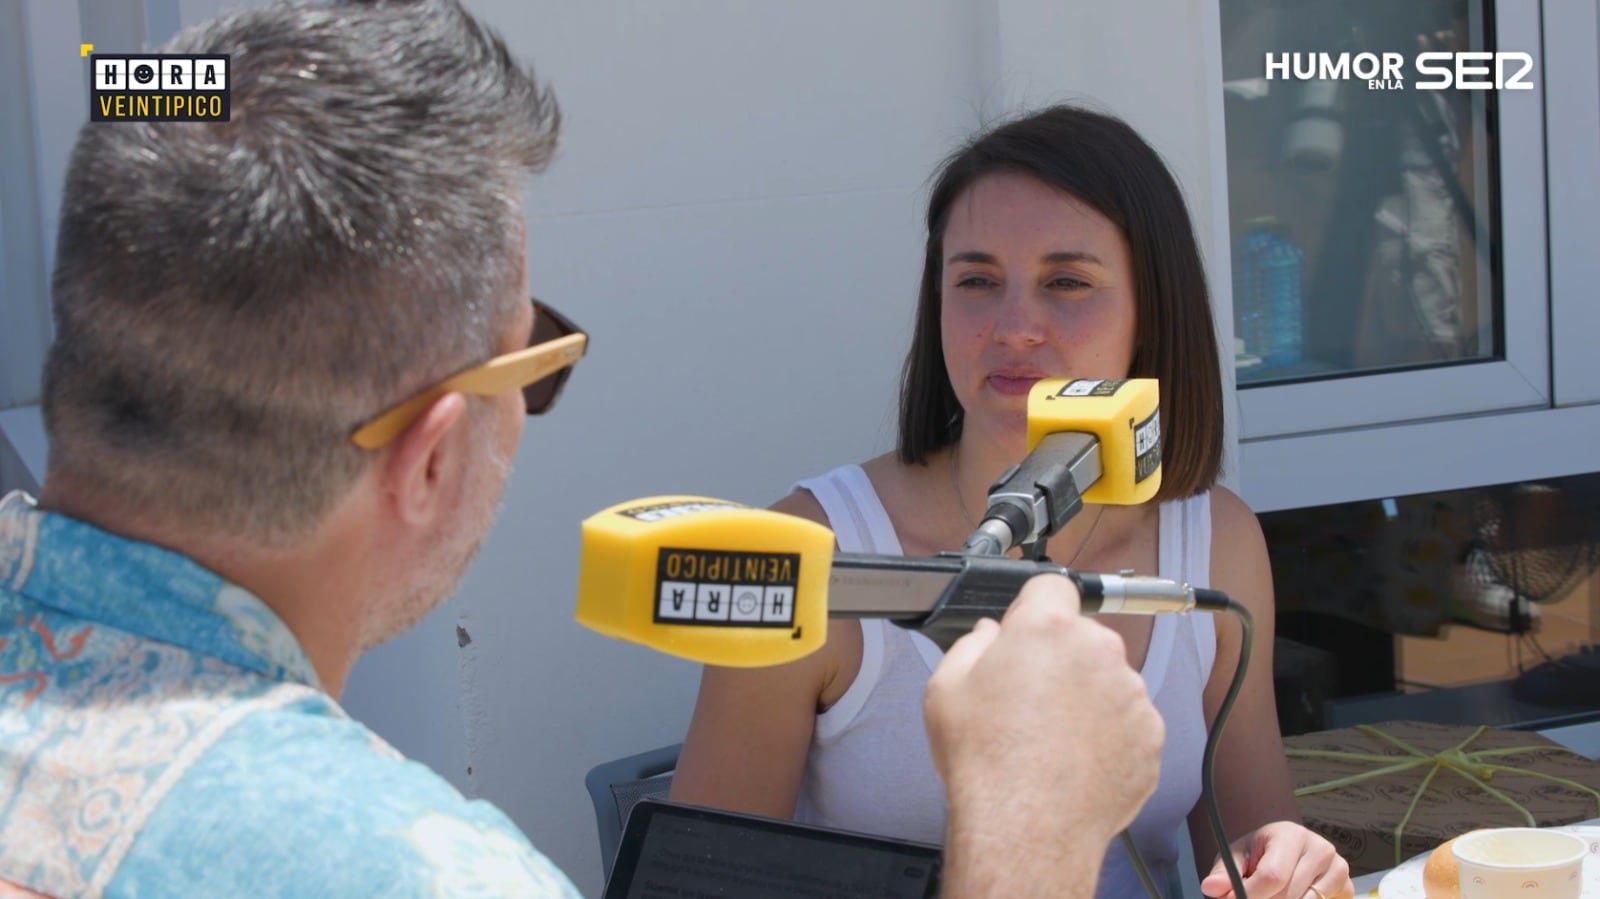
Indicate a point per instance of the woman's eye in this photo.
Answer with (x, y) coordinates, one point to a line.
(1067, 282)
(975, 282)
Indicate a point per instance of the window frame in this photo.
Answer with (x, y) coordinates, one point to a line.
(1519, 380)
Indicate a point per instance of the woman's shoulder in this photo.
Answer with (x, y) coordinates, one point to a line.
(803, 504)
(802, 501)
(1239, 564)
(886, 468)
(886, 475)
(1231, 518)
(900, 484)
(909, 496)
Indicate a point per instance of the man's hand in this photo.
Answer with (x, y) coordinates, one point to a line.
(1047, 744)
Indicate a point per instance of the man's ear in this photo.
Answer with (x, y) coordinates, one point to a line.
(423, 461)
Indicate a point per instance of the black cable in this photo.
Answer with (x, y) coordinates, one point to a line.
(1139, 866)
(1539, 647)
(1212, 601)
(1215, 600)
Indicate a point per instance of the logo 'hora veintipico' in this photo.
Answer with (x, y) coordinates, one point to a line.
(158, 87)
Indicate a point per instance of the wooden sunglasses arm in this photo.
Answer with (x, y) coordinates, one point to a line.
(501, 374)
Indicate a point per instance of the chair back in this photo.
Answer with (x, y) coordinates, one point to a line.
(614, 787)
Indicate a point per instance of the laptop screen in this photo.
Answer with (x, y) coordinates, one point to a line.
(672, 851)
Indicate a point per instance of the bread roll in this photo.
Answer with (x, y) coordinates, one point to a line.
(1441, 879)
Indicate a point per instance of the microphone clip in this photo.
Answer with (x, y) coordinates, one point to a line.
(1036, 497)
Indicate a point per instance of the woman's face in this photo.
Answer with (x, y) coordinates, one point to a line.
(1036, 284)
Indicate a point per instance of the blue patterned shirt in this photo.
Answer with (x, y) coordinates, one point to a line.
(163, 734)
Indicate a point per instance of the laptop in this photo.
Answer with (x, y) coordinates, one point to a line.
(675, 851)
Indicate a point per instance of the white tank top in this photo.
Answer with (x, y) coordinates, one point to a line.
(869, 768)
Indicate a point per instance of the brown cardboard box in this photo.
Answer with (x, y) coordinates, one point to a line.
(1362, 818)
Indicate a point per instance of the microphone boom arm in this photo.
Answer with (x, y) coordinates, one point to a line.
(944, 595)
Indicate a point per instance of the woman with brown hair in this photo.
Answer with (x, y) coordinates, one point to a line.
(1058, 245)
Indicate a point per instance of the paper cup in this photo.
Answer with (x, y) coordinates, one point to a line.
(1520, 863)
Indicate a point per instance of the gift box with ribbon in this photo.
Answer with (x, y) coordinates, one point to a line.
(1383, 793)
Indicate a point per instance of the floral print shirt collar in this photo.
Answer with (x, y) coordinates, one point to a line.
(142, 589)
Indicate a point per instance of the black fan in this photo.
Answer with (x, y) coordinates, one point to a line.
(1540, 540)
(1531, 545)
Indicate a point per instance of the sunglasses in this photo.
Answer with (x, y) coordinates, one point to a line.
(540, 371)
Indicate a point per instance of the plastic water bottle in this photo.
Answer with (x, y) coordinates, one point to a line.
(1250, 312)
(1269, 314)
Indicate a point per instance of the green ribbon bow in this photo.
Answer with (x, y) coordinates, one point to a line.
(1467, 764)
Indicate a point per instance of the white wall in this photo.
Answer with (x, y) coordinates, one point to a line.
(734, 215)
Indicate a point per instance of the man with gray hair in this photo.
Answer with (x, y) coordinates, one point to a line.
(293, 356)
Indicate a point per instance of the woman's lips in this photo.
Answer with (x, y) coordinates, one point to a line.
(1013, 384)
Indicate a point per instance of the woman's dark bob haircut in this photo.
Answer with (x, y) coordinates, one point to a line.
(1101, 161)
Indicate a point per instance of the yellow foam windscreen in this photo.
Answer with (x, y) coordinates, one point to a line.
(1122, 414)
(706, 579)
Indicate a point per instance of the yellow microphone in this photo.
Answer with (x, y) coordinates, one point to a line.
(1089, 440)
(706, 579)
(724, 584)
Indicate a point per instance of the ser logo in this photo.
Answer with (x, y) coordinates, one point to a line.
(1432, 71)
(158, 87)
